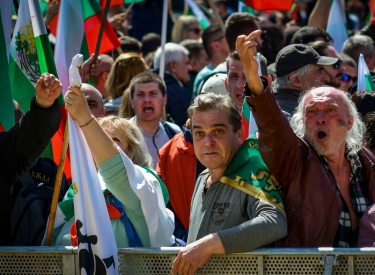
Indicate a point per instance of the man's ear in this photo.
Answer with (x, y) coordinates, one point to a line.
(350, 123)
(240, 134)
(295, 80)
(104, 111)
(226, 84)
(104, 76)
(171, 67)
(165, 100)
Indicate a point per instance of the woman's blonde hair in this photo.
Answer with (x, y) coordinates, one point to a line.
(126, 110)
(137, 149)
(127, 66)
(181, 27)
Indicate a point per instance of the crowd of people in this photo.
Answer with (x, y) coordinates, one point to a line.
(304, 178)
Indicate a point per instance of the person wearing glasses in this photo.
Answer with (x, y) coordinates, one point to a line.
(349, 76)
(217, 49)
(298, 68)
(186, 27)
(335, 71)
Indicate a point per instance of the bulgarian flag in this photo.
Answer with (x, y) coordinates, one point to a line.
(6, 110)
(336, 25)
(248, 173)
(243, 8)
(248, 122)
(31, 56)
(77, 32)
(365, 82)
(269, 4)
(192, 8)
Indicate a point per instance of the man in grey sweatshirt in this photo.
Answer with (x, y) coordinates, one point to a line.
(223, 218)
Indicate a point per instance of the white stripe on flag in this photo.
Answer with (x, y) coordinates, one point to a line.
(39, 27)
(362, 72)
(69, 38)
(336, 25)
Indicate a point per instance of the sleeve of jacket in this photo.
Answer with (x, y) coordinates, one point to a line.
(278, 145)
(22, 145)
(267, 226)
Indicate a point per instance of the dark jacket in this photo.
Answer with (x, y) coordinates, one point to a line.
(178, 99)
(287, 100)
(312, 205)
(20, 148)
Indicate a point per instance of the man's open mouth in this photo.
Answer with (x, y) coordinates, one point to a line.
(321, 135)
(148, 109)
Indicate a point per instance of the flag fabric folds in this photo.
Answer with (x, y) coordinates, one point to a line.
(269, 4)
(96, 241)
(77, 32)
(30, 57)
(336, 25)
(194, 9)
(6, 110)
(364, 77)
(248, 173)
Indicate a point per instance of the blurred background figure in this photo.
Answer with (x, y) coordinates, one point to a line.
(186, 27)
(127, 66)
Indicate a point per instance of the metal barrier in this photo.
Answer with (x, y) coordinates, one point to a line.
(275, 261)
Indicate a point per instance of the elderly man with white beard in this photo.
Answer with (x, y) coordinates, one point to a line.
(326, 175)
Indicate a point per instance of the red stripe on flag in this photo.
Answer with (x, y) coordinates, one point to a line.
(109, 40)
(1, 128)
(269, 4)
(57, 141)
(53, 25)
(112, 4)
(245, 127)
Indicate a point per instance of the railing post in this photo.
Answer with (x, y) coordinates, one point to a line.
(329, 262)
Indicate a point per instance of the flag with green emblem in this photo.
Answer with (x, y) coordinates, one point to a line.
(248, 173)
(30, 57)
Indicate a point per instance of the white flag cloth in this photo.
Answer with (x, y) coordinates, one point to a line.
(336, 25)
(160, 221)
(96, 241)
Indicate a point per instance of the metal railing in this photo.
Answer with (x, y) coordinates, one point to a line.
(141, 261)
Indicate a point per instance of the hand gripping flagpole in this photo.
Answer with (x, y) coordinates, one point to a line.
(75, 81)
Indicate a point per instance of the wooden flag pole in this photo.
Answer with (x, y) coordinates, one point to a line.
(217, 16)
(56, 190)
(101, 29)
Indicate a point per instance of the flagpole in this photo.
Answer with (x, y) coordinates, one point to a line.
(163, 39)
(217, 16)
(56, 190)
(101, 29)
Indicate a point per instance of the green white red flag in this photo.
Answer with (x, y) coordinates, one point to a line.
(30, 57)
(77, 32)
(269, 4)
(365, 82)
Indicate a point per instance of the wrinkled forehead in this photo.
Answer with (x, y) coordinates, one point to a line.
(325, 96)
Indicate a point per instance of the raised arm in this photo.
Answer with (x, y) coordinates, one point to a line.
(24, 143)
(96, 138)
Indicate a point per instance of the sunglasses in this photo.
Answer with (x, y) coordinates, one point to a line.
(263, 35)
(346, 78)
(337, 65)
(195, 30)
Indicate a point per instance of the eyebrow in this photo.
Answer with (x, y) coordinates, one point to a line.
(211, 126)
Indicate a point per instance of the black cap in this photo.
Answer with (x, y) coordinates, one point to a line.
(295, 56)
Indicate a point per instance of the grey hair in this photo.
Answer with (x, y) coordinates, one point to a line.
(354, 136)
(173, 52)
(284, 81)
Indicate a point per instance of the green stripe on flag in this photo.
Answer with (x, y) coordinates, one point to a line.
(90, 8)
(6, 110)
(369, 83)
(46, 61)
